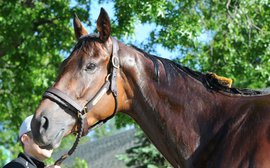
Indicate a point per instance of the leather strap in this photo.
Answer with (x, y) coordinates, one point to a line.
(75, 144)
(60, 97)
(63, 99)
(116, 65)
(104, 89)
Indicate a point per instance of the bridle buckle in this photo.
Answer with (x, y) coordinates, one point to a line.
(84, 111)
(115, 62)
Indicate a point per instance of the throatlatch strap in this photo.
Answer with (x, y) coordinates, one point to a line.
(116, 65)
(105, 87)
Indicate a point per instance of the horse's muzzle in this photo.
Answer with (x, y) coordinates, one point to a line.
(44, 134)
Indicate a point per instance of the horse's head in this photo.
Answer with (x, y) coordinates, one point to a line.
(82, 78)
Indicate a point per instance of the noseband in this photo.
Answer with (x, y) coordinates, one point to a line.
(66, 101)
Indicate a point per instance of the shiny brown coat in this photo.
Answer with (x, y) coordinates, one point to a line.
(193, 121)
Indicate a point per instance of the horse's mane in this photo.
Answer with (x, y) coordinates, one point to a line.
(207, 79)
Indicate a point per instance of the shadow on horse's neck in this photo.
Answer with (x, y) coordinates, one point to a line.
(175, 110)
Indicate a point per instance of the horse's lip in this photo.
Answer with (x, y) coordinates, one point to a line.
(55, 142)
(48, 147)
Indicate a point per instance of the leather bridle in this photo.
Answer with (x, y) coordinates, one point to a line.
(66, 101)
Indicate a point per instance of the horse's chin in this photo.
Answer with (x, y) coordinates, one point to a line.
(55, 143)
(50, 146)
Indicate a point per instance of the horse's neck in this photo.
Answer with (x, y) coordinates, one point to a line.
(172, 110)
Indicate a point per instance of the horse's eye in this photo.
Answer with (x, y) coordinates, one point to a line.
(90, 66)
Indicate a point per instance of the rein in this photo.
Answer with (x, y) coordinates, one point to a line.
(66, 101)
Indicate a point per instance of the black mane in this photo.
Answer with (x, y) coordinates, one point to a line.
(207, 80)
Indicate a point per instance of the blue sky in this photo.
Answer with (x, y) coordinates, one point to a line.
(142, 31)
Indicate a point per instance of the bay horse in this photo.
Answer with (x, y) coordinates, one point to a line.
(193, 120)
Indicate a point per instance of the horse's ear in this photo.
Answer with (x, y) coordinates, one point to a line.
(103, 25)
(78, 27)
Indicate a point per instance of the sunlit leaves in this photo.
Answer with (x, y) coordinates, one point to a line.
(239, 47)
(33, 36)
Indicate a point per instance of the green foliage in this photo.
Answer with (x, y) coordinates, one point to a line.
(144, 154)
(36, 35)
(49, 161)
(4, 155)
(122, 120)
(33, 37)
(79, 163)
(238, 45)
(6, 152)
(105, 130)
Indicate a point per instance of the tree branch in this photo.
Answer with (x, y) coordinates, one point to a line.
(228, 4)
(2, 53)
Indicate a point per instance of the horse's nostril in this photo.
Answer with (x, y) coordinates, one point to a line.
(44, 123)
